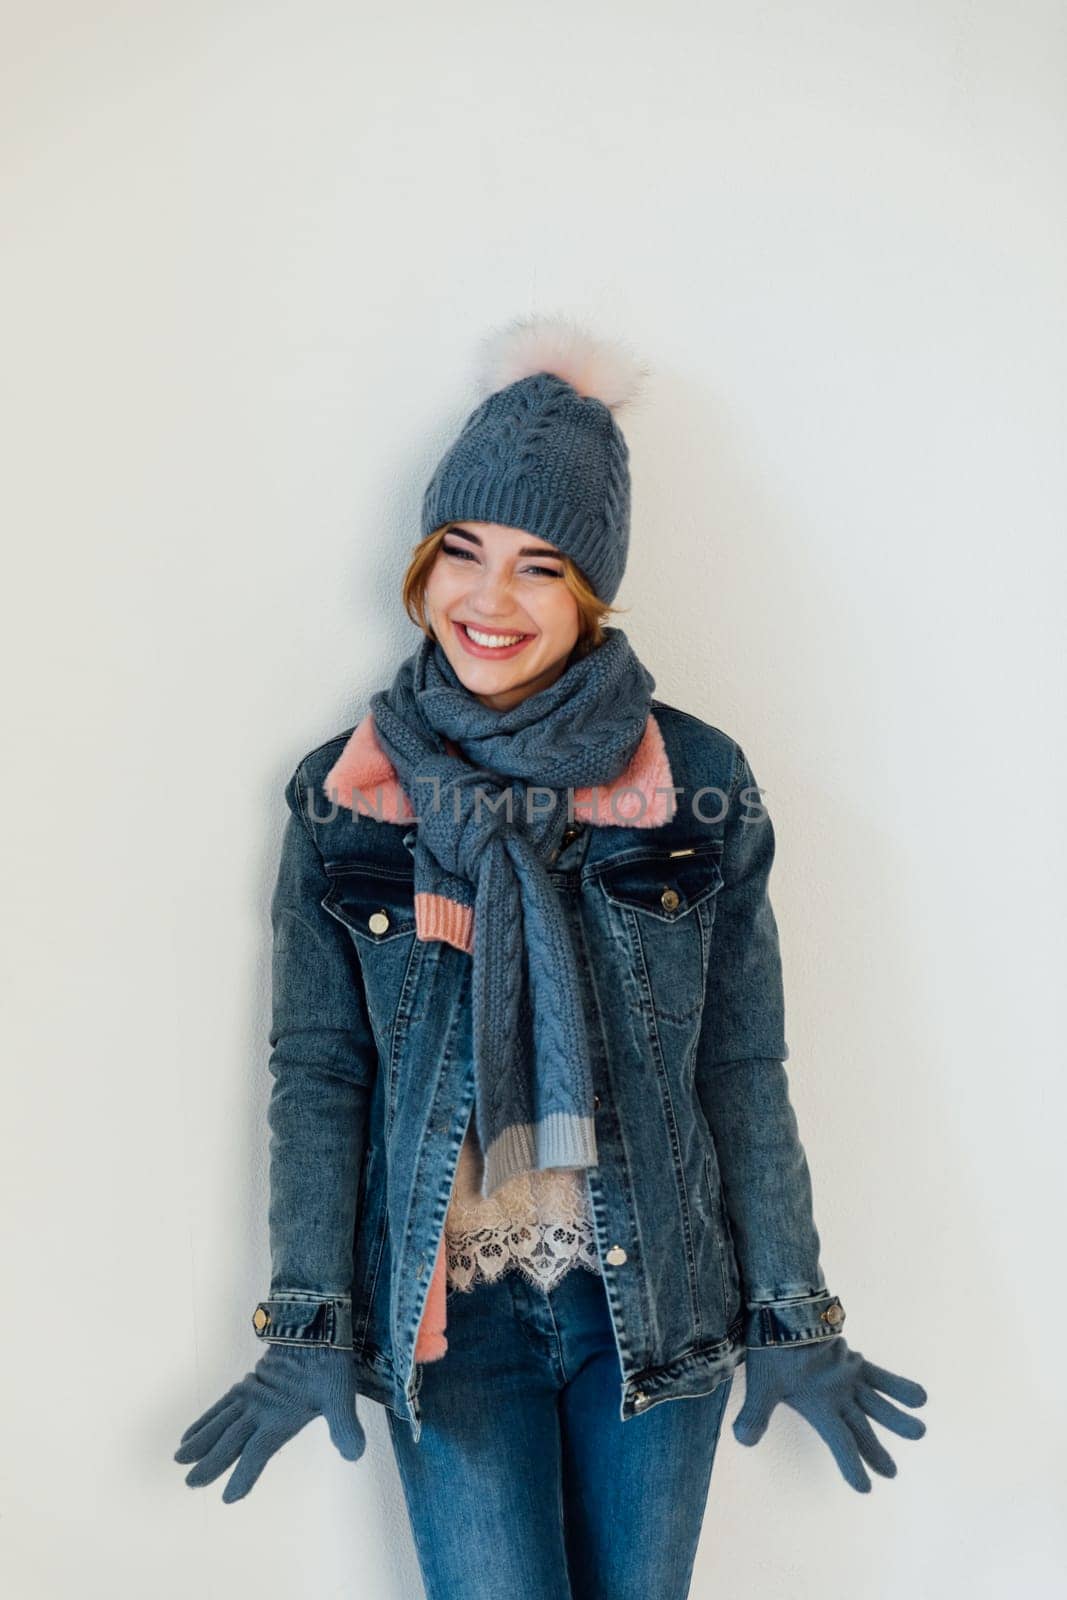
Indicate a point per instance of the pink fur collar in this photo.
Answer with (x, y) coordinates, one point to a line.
(364, 779)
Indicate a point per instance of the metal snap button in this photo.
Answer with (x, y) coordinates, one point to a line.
(596, 1102)
(670, 899)
(260, 1318)
(566, 838)
(833, 1314)
(377, 922)
(640, 1399)
(616, 1255)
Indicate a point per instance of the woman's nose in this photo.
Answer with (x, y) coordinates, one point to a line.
(491, 593)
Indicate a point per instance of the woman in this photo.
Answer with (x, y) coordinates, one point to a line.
(534, 1166)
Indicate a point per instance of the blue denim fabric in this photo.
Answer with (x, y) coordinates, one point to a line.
(701, 1199)
(526, 1481)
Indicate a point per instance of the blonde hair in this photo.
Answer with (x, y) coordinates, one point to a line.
(592, 611)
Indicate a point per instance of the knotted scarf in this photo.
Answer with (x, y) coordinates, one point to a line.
(489, 820)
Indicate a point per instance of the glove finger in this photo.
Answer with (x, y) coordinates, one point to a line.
(210, 1414)
(751, 1421)
(224, 1453)
(253, 1459)
(197, 1442)
(903, 1389)
(878, 1407)
(346, 1431)
(868, 1443)
(838, 1435)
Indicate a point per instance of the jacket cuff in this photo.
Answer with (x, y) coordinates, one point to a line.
(304, 1319)
(794, 1321)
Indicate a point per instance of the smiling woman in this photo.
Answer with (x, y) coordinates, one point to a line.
(511, 590)
(512, 1040)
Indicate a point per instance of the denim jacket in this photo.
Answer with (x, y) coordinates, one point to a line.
(701, 1197)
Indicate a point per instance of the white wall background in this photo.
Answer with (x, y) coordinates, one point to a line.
(248, 253)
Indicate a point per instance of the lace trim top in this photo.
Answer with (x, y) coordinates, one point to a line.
(538, 1223)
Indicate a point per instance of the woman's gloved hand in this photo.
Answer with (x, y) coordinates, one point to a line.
(834, 1388)
(289, 1385)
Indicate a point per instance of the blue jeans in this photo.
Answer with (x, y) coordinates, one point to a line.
(525, 1481)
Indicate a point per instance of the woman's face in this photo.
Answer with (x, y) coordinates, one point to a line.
(496, 600)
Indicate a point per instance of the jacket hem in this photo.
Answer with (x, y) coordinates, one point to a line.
(687, 1376)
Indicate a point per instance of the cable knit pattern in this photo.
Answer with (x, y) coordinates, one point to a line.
(533, 1091)
(538, 455)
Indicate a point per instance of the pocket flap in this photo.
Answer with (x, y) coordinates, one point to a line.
(664, 883)
(377, 906)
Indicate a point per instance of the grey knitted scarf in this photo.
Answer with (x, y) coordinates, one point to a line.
(488, 822)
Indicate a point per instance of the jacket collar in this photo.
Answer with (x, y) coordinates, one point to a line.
(364, 779)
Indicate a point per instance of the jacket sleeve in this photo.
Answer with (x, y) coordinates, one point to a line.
(323, 1062)
(744, 1089)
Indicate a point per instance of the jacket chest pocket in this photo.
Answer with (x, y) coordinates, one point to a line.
(662, 904)
(378, 909)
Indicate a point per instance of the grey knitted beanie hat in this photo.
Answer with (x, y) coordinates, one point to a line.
(542, 451)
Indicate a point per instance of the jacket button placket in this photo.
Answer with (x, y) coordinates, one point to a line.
(616, 1255)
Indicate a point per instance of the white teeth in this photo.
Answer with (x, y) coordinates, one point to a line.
(494, 640)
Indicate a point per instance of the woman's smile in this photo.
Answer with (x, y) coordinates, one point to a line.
(495, 645)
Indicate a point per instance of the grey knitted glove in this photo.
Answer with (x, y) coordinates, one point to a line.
(289, 1386)
(835, 1389)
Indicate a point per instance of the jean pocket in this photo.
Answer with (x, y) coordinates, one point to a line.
(378, 909)
(661, 909)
